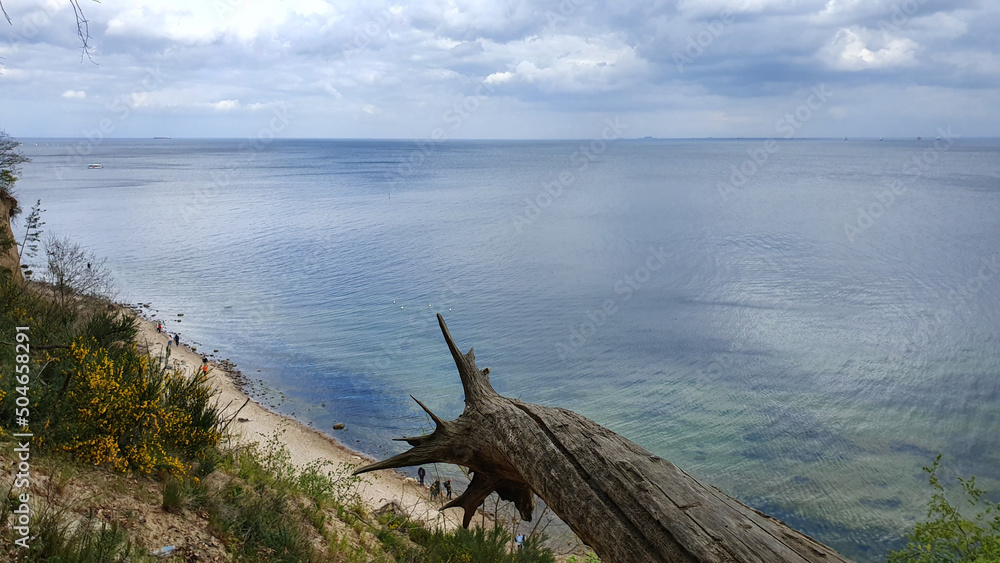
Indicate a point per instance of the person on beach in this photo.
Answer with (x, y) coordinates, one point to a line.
(435, 489)
(177, 340)
(204, 365)
(447, 487)
(159, 327)
(420, 475)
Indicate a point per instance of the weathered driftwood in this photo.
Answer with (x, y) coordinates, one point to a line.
(627, 504)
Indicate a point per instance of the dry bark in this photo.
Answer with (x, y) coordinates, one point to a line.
(627, 504)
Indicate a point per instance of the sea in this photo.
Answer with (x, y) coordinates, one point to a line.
(803, 323)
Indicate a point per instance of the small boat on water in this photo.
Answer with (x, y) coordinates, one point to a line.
(95, 166)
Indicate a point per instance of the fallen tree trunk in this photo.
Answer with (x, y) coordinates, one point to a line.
(627, 504)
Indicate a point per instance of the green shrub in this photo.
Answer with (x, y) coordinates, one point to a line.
(947, 535)
(111, 328)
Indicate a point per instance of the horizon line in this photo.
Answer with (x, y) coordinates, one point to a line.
(512, 139)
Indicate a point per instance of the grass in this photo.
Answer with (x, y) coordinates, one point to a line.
(89, 541)
(109, 416)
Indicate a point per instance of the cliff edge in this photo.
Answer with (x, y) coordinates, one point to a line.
(9, 258)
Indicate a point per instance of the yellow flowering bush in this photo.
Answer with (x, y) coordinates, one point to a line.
(126, 413)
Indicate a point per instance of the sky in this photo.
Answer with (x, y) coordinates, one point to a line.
(505, 69)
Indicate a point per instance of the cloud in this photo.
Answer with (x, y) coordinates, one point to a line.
(226, 105)
(538, 67)
(565, 63)
(849, 51)
(199, 22)
(499, 77)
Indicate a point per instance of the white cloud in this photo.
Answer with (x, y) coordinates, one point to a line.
(499, 77)
(226, 105)
(567, 63)
(199, 22)
(849, 50)
(74, 94)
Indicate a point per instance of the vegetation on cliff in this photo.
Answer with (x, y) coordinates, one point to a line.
(11, 160)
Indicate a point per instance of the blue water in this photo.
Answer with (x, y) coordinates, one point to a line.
(805, 341)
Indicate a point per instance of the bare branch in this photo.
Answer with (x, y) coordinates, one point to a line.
(82, 29)
(75, 271)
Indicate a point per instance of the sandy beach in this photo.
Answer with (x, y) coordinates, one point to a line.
(255, 423)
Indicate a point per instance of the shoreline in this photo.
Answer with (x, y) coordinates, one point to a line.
(305, 444)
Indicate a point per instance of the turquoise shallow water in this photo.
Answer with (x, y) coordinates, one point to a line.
(806, 340)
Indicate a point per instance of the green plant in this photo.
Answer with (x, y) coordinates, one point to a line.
(173, 495)
(947, 535)
(111, 328)
(88, 541)
(263, 523)
(10, 161)
(479, 544)
(94, 395)
(32, 235)
(124, 410)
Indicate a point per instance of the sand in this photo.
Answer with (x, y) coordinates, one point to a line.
(304, 444)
